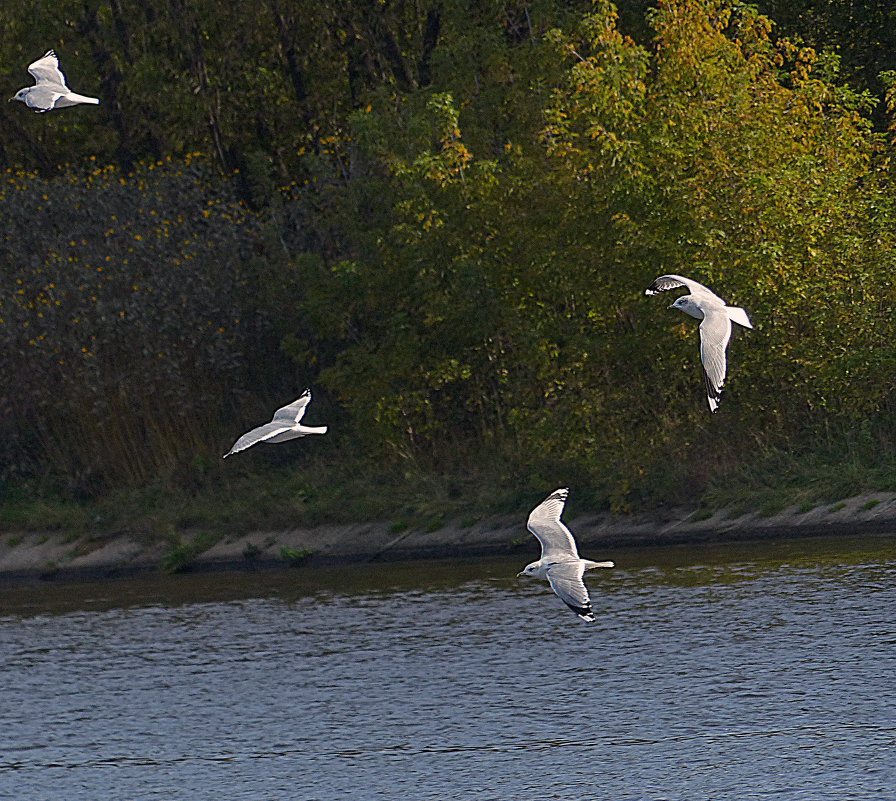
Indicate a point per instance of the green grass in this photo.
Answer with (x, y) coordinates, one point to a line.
(251, 552)
(869, 504)
(181, 554)
(24, 508)
(843, 467)
(234, 499)
(49, 569)
(229, 500)
(771, 506)
(295, 557)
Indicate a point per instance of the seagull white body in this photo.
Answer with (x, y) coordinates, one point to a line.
(49, 90)
(560, 563)
(283, 427)
(715, 328)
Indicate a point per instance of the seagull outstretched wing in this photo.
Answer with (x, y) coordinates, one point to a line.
(544, 522)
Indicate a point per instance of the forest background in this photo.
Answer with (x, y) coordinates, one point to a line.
(441, 216)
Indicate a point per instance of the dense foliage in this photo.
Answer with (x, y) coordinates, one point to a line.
(443, 216)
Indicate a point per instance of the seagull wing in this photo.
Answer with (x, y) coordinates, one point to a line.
(44, 96)
(260, 434)
(46, 69)
(666, 282)
(715, 331)
(566, 581)
(544, 522)
(294, 411)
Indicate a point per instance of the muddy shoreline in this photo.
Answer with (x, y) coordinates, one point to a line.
(56, 556)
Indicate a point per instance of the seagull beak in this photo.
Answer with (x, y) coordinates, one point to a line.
(521, 573)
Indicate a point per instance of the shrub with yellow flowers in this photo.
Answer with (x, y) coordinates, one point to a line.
(123, 319)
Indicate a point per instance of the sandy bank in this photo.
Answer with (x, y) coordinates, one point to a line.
(58, 556)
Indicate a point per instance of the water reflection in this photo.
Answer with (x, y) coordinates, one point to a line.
(714, 673)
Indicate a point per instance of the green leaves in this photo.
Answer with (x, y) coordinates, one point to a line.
(447, 214)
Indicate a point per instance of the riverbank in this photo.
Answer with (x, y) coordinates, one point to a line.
(59, 556)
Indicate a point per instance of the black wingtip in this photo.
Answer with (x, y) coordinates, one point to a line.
(714, 395)
(558, 494)
(584, 612)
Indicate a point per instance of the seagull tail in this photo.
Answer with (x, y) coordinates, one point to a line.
(589, 564)
(312, 429)
(738, 315)
(76, 98)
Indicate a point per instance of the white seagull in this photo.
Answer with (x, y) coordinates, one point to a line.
(715, 330)
(284, 426)
(49, 90)
(560, 563)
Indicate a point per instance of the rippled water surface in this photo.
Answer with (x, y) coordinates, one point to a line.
(748, 672)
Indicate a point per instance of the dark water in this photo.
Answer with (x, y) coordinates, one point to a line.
(755, 672)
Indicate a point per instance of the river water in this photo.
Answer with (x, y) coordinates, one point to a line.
(762, 671)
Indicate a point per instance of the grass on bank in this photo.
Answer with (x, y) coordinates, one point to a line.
(233, 502)
(268, 491)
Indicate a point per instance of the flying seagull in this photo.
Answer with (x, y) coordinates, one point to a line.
(49, 90)
(715, 330)
(284, 426)
(560, 563)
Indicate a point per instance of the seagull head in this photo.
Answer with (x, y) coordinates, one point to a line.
(20, 95)
(686, 304)
(528, 570)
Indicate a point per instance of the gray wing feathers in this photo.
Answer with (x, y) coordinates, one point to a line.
(44, 96)
(715, 331)
(256, 435)
(544, 523)
(47, 69)
(283, 427)
(666, 282)
(566, 580)
(294, 411)
(50, 90)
